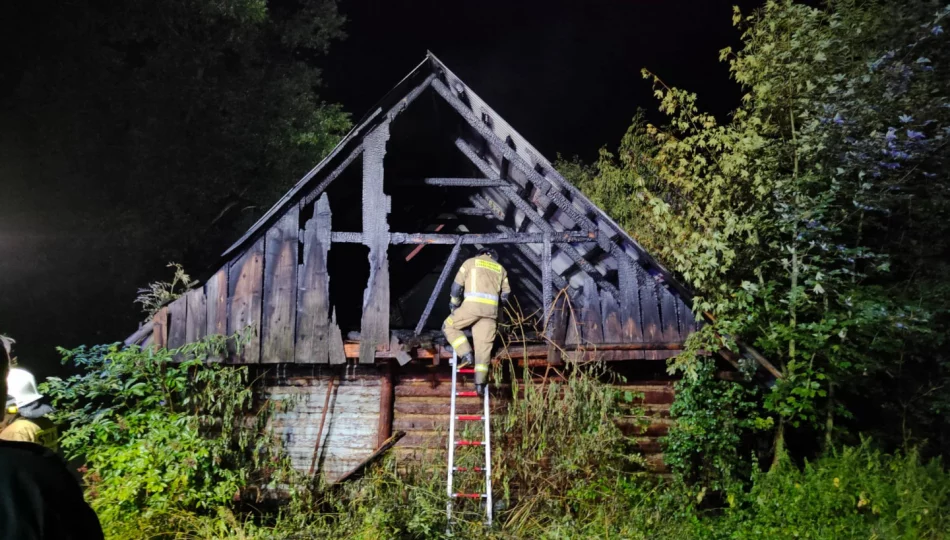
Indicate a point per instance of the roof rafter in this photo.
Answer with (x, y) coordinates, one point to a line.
(532, 214)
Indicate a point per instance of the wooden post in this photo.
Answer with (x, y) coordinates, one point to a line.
(374, 326)
(385, 428)
(547, 287)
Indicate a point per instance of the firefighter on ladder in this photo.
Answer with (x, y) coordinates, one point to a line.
(481, 283)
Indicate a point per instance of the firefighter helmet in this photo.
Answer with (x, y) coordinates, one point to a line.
(490, 252)
(21, 384)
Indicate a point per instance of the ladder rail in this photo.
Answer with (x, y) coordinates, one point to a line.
(488, 499)
(451, 445)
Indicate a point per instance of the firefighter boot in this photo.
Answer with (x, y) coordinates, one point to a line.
(466, 360)
(480, 389)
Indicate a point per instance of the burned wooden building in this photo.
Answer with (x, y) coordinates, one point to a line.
(341, 284)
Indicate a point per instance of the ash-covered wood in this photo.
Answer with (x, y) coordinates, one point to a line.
(374, 327)
(313, 289)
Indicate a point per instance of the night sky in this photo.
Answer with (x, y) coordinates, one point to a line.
(566, 75)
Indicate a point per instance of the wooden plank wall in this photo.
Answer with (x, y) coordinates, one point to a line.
(421, 409)
(350, 428)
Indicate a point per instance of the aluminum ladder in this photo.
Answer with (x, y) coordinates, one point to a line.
(453, 443)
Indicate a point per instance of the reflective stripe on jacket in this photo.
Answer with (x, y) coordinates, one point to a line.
(483, 280)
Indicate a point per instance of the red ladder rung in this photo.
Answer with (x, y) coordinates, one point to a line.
(469, 418)
(467, 394)
(467, 370)
(470, 469)
(469, 443)
(469, 495)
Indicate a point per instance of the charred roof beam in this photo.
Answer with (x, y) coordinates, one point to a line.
(465, 182)
(568, 237)
(531, 213)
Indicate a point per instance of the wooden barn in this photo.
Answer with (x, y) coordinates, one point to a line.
(342, 283)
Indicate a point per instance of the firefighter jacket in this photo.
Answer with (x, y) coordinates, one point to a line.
(41, 431)
(483, 281)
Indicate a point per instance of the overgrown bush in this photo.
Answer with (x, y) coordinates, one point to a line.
(166, 443)
(854, 492)
(712, 442)
(558, 434)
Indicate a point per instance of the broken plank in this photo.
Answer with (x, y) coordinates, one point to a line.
(197, 316)
(245, 285)
(216, 294)
(279, 300)
(374, 325)
(313, 300)
(591, 320)
(557, 328)
(668, 314)
(337, 353)
(630, 305)
(177, 314)
(160, 325)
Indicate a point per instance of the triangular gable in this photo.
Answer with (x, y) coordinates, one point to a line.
(553, 236)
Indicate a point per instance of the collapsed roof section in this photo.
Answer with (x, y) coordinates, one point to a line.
(450, 172)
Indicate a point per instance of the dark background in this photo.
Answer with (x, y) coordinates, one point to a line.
(566, 75)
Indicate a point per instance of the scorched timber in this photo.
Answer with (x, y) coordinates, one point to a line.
(469, 239)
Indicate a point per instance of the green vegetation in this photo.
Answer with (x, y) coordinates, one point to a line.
(170, 455)
(809, 225)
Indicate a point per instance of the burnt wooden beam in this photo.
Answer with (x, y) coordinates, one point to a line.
(465, 182)
(297, 193)
(446, 270)
(527, 252)
(532, 214)
(544, 185)
(313, 289)
(353, 350)
(318, 190)
(389, 116)
(547, 285)
(569, 237)
(374, 325)
(472, 212)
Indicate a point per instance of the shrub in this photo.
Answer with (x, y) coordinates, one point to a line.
(165, 442)
(854, 492)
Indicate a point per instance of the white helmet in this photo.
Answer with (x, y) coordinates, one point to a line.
(21, 384)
